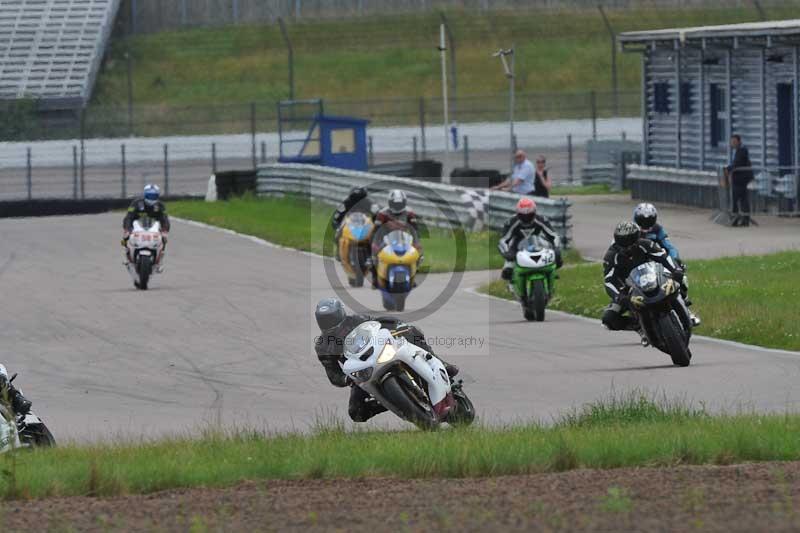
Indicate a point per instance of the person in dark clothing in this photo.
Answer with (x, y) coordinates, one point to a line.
(523, 224)
(335, 324)
(541, 181)
(740, 173)
(148, 206)
(10, 395)
(628, 251)
(357, 201)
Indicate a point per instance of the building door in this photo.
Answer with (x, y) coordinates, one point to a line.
(786, 118)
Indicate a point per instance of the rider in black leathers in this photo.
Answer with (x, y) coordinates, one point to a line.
(627, 252)
(335, 324)
(357, 201)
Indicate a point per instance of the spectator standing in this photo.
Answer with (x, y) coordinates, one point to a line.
(739, 173)
(542, 183)
(521, 180)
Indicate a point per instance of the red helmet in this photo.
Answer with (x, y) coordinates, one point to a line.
(526, 210)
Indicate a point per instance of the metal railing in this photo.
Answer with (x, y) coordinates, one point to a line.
(774, 191)
(443, 205)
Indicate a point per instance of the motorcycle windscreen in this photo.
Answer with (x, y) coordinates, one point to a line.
(399, 241)
(645, 276)
(361, 339)
(533, 243)
(146, 224)
(359, 226)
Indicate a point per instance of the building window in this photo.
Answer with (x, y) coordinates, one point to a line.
(686, 99)
(661, 94)
(719, 114)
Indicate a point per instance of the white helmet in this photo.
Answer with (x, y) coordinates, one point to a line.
(645, 215)
(397, 201)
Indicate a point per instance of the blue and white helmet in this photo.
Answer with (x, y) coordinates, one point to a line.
(151, 194)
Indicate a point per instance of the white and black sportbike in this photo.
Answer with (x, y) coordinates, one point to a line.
(22, 431)
(657, 303)
(143, 252)
(407, 380)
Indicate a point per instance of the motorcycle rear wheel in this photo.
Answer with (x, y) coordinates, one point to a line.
(38, 436)
(405, 400)
(674, 339)
(465, 411)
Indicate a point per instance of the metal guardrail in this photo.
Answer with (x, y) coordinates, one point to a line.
(773, 191)
(598, 174)
(437, 204)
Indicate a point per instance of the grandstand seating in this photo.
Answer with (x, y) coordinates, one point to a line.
(51, 50)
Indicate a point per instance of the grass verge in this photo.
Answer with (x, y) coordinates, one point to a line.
(751, 299)
(558, 50)
(633, 429)
(302, 224)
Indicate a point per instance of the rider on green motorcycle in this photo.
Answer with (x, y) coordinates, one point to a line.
(522, 225)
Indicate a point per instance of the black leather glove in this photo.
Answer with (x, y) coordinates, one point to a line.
(678, 275)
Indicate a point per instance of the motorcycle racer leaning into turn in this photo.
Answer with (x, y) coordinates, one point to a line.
(628, 251)
(334, 325)
(524, 223)
(149, 205)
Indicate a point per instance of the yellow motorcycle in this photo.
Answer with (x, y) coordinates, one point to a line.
(397, 263)
(354, 247)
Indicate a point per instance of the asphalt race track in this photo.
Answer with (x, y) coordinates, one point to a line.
(225, 336)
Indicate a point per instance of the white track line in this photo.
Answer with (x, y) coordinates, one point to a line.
(734, 344)
(250, 238)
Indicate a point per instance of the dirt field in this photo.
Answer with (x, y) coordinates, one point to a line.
(761, 497)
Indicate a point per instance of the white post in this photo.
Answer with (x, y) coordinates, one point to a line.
(443, 52)
(511, 103)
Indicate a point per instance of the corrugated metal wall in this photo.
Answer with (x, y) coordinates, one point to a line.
(753, 110)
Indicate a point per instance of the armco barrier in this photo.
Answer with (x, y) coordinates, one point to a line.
(62, 206)
(444, 205)
(675, 186)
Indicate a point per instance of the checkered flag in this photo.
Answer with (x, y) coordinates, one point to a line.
(475, 204)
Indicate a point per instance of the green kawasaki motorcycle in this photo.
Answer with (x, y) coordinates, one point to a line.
(533, 280)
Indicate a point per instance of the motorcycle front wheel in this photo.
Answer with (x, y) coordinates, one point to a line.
(674, 340)
(421, 415)
(144, 268)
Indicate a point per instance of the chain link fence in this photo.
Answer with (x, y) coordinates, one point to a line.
(147, 16)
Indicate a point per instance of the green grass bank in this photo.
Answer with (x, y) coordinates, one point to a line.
(749, 299)
(558, 50)
(623, 431)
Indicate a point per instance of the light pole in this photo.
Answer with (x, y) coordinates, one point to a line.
(443, 52)
(509, 72)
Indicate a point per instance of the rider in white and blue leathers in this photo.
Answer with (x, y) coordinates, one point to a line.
(645, 215)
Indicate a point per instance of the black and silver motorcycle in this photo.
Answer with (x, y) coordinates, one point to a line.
(657, 303)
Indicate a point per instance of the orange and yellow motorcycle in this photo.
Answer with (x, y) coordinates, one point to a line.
(354, 247)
